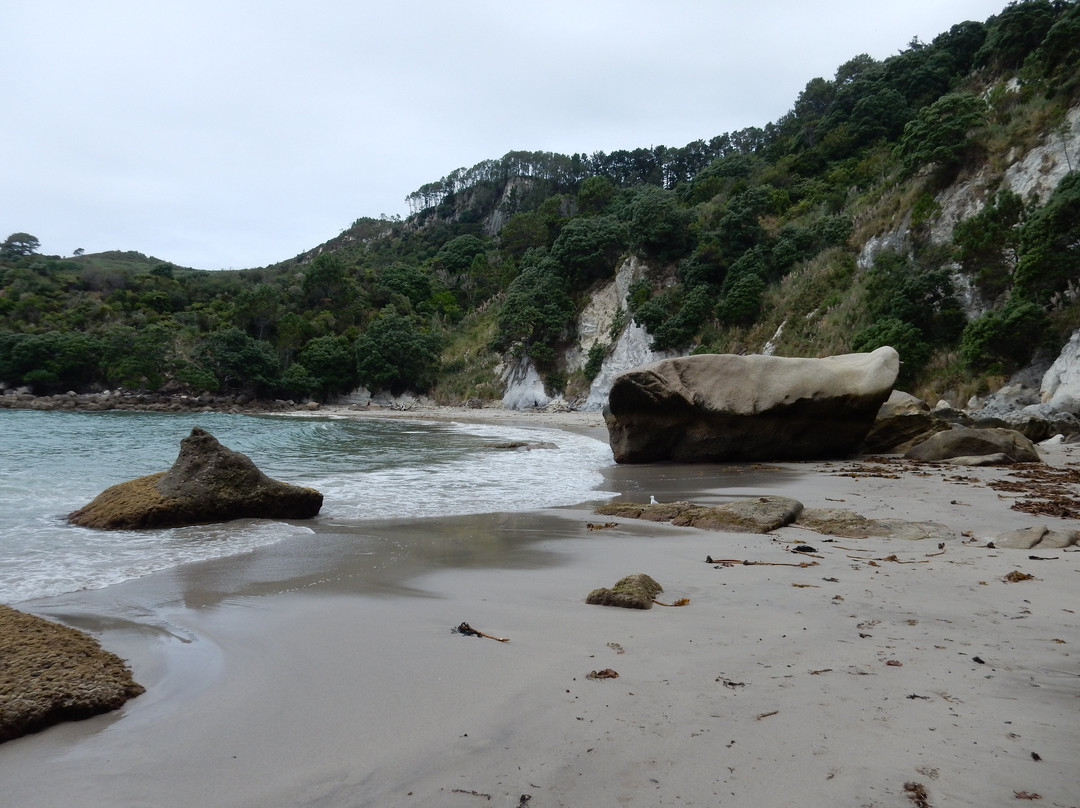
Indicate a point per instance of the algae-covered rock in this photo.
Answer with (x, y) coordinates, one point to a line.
(51, 673)
(758, 515)
(632, 592)
(207, 483)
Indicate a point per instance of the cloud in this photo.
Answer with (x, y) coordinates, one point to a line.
(236, 134)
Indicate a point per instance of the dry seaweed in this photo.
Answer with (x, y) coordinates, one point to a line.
(916, 792)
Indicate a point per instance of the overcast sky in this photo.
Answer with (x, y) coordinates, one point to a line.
(238, 133)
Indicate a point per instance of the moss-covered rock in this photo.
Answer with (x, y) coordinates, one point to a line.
(207, 483)
(632, 592)
(51, 673)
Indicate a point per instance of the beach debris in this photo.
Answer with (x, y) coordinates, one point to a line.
(1043, 558)
(1026, 795)
(731, 562)
(614, 646)
(728, 683)
(471, 793)
(630, 592)
(605, 526)
(980, 660)
(606, 673)
(916, 792)
(1036, 756)
(804, 548)
(1016, 576)
(766, 715)
(679, 602)
(895, 663)
(523, 799)
(468, 631)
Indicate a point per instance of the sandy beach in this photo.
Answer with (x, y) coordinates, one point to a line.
(306, 674)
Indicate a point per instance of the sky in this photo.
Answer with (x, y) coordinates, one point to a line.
(228, 134)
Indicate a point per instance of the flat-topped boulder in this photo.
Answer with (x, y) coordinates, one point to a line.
(723, 407)
(207, 483)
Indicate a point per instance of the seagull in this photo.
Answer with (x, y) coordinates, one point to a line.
(652, 500)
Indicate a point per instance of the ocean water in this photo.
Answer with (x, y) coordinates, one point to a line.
(52, 463)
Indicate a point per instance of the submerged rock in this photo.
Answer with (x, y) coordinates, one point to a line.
(207, 483)
(52, 673)
(722, 407)
(632, 592)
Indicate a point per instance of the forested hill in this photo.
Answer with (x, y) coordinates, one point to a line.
(926, 201)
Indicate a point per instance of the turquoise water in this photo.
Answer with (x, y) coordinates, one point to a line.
(52, 463)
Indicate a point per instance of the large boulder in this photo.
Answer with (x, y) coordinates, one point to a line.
(207, 483)
(1002, 446)
(53, 673)
(722, 407)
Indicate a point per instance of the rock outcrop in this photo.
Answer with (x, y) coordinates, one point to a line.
(758, 515)
(52, 673)
(1037, 537)
(961, 446)
(722, 407)
(902, 422)
(207, 483)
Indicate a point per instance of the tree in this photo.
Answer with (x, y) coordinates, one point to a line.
(19, 245)
(395, 352)
(330, 362)
(658, 226)
(238, 360)
(537, 311)
(587, 248)
(1050, 244)
(908, 341)
(988, 243)
(942, 133)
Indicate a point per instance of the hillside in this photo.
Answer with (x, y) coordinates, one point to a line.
(926, 201)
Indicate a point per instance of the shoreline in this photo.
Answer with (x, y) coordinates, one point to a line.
(301, 675)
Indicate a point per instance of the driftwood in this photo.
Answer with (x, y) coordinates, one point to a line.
(469, 631)
(730, 562)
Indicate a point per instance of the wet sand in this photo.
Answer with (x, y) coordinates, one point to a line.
(323, 671)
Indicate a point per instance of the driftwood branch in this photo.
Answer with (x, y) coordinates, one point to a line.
(469, 631)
